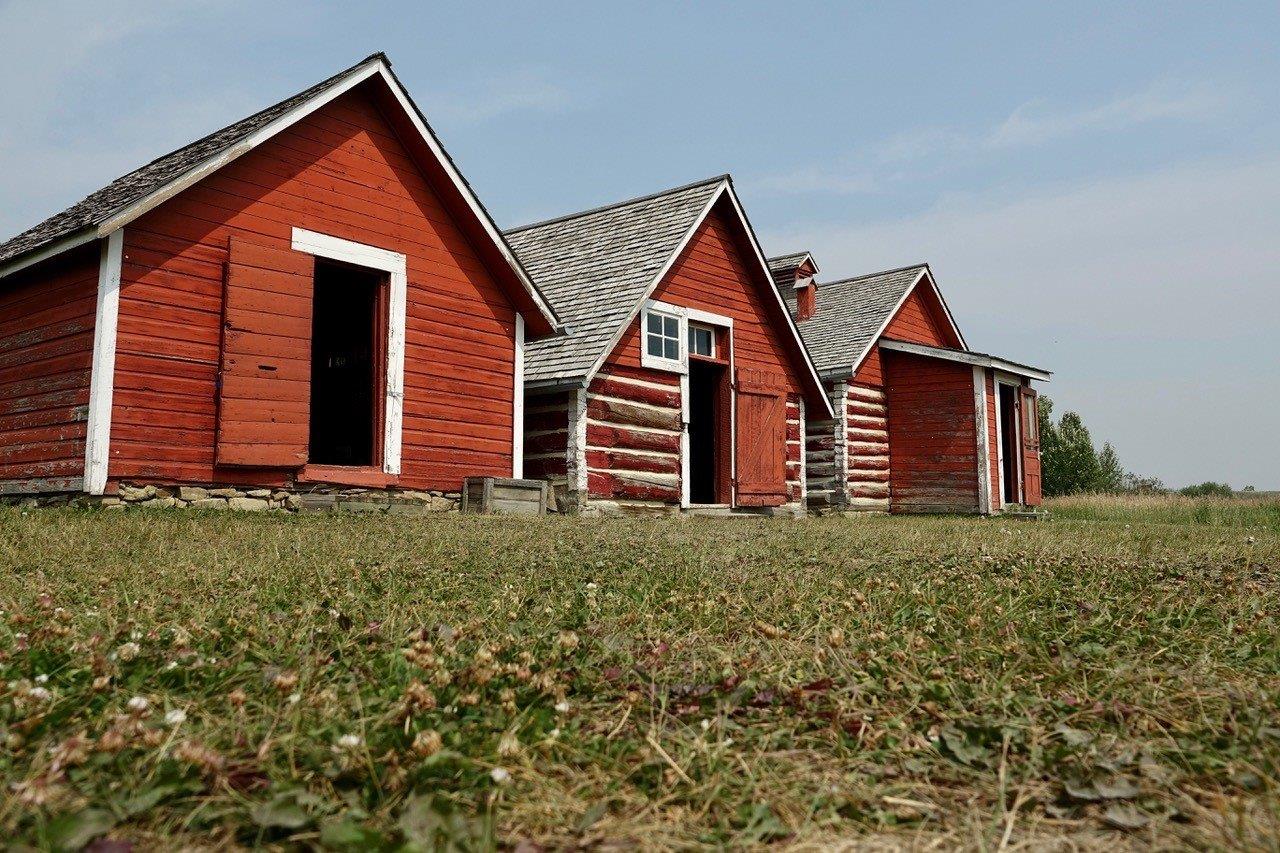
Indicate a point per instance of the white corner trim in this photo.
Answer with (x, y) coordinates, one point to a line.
(984, 444)
(517, 418)
(394, 264)
(685, 486)
(97, 440)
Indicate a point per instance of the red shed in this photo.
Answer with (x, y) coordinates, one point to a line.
(682, 381)
(312, 295)
(921, 423)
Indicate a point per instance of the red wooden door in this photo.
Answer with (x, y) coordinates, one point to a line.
(762, 438)
(1030, 447)
(264, 383)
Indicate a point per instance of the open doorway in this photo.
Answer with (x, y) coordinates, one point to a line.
(346, 356)
(709, 433)
(1010, 446)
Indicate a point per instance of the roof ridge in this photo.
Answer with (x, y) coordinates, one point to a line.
(923, 265)
(602, 208)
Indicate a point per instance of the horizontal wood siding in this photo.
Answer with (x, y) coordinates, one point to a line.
(342, 171)
(932, 435)
(824, 453)
(46, 354)
(920, 320)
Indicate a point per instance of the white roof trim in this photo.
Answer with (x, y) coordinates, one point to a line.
(906, 294)
(977, 359)
(375, 67)
(724, 187)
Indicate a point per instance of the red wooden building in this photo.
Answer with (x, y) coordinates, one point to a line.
(310, 296)
(921, 423)
(682, 381)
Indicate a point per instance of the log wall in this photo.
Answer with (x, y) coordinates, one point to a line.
(46, 354)
(867, 449)
(633, 436)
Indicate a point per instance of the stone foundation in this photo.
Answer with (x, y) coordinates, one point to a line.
(318, 499)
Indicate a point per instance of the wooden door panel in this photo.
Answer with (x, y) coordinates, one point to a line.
(1030, 446)
(264, 380)
(762, 438)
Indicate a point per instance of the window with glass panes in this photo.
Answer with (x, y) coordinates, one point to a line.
(702, 340)
(662, 336)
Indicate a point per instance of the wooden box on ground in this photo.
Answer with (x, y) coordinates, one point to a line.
(486, 495)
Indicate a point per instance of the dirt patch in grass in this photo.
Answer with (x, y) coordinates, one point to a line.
(174, 678)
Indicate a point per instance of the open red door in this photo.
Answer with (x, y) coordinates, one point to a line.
(1030, 447)
(264, 383)
(762, 438)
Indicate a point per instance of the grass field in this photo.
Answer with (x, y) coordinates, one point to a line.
(172, 678)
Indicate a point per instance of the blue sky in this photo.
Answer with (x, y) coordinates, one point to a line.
(1097, 186)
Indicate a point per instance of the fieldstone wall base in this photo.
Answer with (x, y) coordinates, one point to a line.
(131, 496)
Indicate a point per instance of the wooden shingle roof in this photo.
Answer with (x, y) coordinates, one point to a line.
(596, 266)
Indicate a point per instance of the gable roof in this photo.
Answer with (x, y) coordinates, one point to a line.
(784, 266)
(597, 267)
(852, 313)
(133, 194)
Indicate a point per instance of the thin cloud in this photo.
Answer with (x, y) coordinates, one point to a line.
(908, 155)
(520, 91)
(1033, 124)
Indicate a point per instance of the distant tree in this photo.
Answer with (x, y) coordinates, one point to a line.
(1111, 473)
(1142, 485)
(1208, 489)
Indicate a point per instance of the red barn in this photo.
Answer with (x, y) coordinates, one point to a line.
(309, 297)
(681, 381)
(921, 423)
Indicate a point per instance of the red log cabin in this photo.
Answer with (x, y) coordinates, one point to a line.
(312, 295)
(681, 381)
(921, 423)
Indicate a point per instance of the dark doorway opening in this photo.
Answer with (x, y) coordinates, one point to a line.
(708, 433)
(345, 348)
(1009, 444)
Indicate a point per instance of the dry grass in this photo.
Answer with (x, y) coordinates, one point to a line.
(874, 683)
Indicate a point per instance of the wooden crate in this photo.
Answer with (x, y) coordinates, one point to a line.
(503, 496)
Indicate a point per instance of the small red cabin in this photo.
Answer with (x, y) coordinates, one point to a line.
(310, 296)
(921, 423)
(681, 381)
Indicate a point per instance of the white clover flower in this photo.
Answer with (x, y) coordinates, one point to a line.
(592, 585)
(128, 651)
(554, 733)
(176, 717)
(350, 742)
(562, 707)
(171, 666)
(40, 694)
(500, 775)
(138, 704)
(294, 698)
(42, 678)
(706, 724)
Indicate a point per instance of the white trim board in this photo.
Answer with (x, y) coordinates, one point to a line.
(394, 264)
(977, 359)
(517, 418)
(375, 66)
(97, 439)
(984, 442)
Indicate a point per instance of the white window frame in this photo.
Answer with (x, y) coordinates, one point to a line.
(706, 327)
(394, 264)
(680, 364)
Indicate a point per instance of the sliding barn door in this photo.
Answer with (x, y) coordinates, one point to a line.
(264, 383)
(1030, 447)
(762, 438)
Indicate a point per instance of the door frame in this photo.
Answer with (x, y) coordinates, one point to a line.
(1014, 382)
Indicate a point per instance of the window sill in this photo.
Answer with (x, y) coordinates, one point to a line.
(651, 363)
(347, 475)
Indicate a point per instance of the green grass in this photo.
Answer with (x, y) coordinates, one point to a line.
(359, 682)
(1240, 511)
